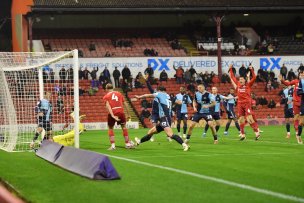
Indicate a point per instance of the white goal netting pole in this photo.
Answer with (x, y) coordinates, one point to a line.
(25, 78)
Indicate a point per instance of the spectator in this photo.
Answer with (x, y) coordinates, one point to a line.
(45, 75)
(60, 105)
(271, 75)
(116, 76)
(149, 70)
(144, 103)
(91, 91)
(80, 52)
(70, 73)
(137, 83)
(283, 71)
(172, 99)
(225, 78)
(233, 70)
(191, 87)
(81, 91)
(80, 74)
(301, 68)
(268, 86)
(198, 78)
(92, 46)
(187, 76)
(192, 71)
(145, 113)
(179, 74)
(263, 101)
(63, 91)
(57, 89)
(291, 75)
(242, 71)
(126, 74)
(253, 101)
(93, 73)
(52, 75)
(108, 54)
(271, 104)
(86, 73)
(106, 74)
(163, 76)
(270, 49)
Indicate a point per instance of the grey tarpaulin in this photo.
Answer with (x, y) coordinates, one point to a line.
(85, 163)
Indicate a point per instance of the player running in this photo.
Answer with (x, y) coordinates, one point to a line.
(115, 105)
(288, 108)
(201, 104)
(244, 102)
(44, 115)
(296, 100)
(182, 100)
(164, 124)
(216, 110)
(229, 107)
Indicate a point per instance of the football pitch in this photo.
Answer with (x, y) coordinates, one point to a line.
(268, 170)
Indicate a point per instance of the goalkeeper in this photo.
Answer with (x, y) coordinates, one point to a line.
(68, 138)
(44, 115)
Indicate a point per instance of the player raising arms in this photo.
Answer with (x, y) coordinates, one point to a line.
(229, 106)
(216, 110)
(44, 115)
(296, 100)
(288, 108)
(182, 100)
(201, 104)
(164, 124)
(244, 102)
(114, 104)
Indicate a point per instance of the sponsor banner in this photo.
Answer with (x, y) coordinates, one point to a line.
(59, 126)
(201, 64)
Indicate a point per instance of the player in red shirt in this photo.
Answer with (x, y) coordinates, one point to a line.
(296, 101)
(244, 102)
(115, 105)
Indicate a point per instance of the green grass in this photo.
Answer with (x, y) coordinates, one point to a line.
(273, 163)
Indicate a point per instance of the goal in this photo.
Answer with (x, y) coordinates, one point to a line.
(24, 80)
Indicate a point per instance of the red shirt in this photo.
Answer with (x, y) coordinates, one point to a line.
(243, 91)
(296, 98)
(115, 100)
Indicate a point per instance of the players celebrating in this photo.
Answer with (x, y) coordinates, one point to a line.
(44, 113)
(182, 100)
(114, 104)
(244, 101)
(164, 124)
(201, 104)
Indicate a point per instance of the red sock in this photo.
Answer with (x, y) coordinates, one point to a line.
(125, 134)
(255, 127)
(111, 136)
(296, 125)
(242, 126)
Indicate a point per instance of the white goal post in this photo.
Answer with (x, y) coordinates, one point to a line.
(25, 77)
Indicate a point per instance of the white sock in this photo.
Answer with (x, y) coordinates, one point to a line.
(113, 145)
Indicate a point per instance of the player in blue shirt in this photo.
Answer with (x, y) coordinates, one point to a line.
(202, 102)
(288, 108)
(164, 112)
(229, 107)
(216, 110)
(44, 115)
(182, 100)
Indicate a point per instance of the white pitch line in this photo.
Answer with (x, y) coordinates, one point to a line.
(218, 180)
(211, 155)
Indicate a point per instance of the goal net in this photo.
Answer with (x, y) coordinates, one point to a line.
(24, 80)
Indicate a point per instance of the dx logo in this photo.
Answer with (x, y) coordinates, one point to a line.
(273, 63)
(159, 64)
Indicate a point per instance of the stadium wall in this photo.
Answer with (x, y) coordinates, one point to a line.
(201, 64)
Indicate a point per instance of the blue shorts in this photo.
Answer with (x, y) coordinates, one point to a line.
(198, 116)
(216, 116)
(46, 125)
(288, 113)
(231, 114)
(181, 116)
(164, 123)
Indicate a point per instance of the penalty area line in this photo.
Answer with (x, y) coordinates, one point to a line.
(214, 179)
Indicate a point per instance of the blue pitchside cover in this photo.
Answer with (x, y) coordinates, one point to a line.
(85, 163)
